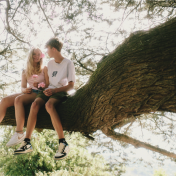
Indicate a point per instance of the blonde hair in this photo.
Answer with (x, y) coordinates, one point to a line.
(30, 69)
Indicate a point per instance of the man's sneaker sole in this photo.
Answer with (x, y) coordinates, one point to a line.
(67, 151)
(11, 145)
(23, 152)
(60, 158)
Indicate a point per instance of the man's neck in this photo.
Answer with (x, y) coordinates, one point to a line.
(58, 58)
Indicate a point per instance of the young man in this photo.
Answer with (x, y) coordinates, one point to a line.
(61, 74)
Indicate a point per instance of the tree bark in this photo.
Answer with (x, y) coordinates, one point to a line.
(138, 77)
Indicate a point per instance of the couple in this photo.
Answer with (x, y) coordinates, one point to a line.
(59, 77)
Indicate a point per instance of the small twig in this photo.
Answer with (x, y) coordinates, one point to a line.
(8, 75)
(106, 43)
(4, 50)
(129, 126)
(16, 10)
(8, 25)
(1, 85)
(169, 118)
(123, 123)
(46, 18)
(141, 128)
(127, 16)
(82, 65)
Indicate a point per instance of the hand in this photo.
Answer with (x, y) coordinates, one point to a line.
(28, 90)
(49, 92)
(35, 84)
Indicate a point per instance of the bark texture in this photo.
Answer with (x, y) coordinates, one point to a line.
(138, 77)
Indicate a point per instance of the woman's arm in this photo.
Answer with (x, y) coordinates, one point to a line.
(24, 88)
(46, 76)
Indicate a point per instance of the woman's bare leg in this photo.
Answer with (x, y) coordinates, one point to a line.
(32, 118)
(5, 103)
(20, 102)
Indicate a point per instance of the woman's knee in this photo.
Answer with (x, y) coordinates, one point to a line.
(18, 100)
(5, 102)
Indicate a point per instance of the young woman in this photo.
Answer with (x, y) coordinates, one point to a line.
(33, 75)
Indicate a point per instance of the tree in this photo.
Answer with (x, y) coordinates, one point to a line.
(138, 77)
(136, 80)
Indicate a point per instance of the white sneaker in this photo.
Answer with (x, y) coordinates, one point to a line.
(62, 152)
(16, 139)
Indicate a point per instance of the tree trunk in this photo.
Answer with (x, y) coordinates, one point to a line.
(138, 77)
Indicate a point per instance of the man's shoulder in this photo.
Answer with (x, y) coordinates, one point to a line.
(68, 61)
(51, 62)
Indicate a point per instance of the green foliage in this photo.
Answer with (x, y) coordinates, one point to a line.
(160, 172)
(41, 161)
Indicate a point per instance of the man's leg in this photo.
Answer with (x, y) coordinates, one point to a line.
(20, 102)
(26, 146)
(50, 107)
(63, 146)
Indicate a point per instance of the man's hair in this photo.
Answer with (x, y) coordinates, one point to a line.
(54, 42)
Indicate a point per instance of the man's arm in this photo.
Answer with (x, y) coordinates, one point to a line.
(49, 92)
(65, 88)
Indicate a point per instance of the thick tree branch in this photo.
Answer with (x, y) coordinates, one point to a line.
(138, 77)
(136, 143)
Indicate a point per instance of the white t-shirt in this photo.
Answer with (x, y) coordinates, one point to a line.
(60, 73)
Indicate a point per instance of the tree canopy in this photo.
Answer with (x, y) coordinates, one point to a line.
(136, 77)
